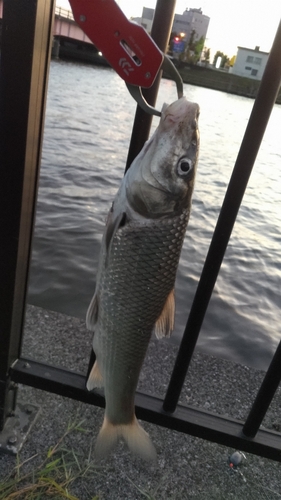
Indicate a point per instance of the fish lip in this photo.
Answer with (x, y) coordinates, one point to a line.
(169, 115)
(180, 108)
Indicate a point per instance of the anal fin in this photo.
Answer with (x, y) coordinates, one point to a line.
(165, 323)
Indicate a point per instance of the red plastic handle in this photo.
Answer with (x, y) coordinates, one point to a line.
(127, 46)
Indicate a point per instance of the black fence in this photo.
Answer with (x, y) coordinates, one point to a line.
(26, 45)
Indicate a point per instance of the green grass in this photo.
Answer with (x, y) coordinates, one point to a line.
(55, 474)
(52, 477)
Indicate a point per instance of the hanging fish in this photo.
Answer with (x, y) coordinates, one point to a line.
(138, 262)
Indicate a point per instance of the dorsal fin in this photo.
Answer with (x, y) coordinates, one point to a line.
(165, 323)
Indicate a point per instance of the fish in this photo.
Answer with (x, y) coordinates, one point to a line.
(140, 252)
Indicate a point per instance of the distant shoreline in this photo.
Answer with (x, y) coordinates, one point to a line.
(221, 80)
(194, 75)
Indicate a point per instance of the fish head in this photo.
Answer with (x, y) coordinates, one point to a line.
(160, 181)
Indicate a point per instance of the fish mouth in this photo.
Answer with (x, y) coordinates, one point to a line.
(178, 110)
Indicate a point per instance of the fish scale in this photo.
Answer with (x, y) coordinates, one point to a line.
(140, 259)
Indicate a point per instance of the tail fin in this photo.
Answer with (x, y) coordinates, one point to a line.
(134, 435)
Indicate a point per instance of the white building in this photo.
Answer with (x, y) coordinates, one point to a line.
(191, 19)
(249, 63)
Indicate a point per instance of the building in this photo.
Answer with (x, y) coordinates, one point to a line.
(146, 19)
(191, 20)
(250, 63)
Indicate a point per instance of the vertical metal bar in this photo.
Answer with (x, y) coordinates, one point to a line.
(246, 157)
(161, 30)
(265, 395)
(26, 45)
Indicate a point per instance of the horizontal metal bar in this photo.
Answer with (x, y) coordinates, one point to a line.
(193, 421)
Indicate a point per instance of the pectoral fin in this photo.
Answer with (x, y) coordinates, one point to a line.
(92, 313)
(111, 230)
(165, 323)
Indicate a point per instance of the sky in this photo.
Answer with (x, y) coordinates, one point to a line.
(245, 23)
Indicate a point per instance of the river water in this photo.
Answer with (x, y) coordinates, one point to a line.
(88, 125)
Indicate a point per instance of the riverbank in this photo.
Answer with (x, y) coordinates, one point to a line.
(221, 80)
(186, 467)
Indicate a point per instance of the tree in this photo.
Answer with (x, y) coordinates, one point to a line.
(206, 56)
(191, 43)
(193, 49)
(216, 56)
(224, 59)
(199, 47)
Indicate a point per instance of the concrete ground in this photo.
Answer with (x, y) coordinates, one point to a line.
(186, 467)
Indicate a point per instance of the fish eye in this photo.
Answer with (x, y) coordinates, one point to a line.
(184, 166)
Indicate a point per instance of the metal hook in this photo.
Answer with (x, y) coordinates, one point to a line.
(137, 94)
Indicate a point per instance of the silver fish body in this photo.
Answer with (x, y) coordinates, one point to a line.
(138, 263)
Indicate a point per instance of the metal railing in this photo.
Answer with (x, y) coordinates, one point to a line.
(27, 26)
(66, 14)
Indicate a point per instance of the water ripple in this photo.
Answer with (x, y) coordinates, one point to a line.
(87, 132)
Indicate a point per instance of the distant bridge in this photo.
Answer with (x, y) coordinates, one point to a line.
(64, 25)
(69, 41)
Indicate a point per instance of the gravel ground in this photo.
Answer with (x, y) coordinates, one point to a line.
(186, 467)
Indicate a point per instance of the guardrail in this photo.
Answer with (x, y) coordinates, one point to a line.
(17, 207)
(66, 14)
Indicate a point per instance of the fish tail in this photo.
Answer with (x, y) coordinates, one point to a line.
(134, 435)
